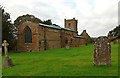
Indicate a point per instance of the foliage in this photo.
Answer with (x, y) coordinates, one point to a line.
(89, 39)
(7, 28)
(115, 31)
(0, 27)
(32, 18)
(26, 17)
(56, 25)
(61, 62)
(48, 22)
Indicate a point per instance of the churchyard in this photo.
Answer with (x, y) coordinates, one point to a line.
(61, 62)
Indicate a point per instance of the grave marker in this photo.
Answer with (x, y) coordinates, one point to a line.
(7, 61)
(102, 51)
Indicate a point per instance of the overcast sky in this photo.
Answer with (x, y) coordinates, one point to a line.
(97, 17)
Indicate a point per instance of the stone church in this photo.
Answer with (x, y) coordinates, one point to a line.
(37, 36)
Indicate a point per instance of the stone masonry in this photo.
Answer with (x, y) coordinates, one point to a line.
(45, 37)
(102, 51)
(7, 61)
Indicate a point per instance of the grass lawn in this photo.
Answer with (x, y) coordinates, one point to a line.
(61, 62)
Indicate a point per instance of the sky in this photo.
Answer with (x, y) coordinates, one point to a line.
(97, 17)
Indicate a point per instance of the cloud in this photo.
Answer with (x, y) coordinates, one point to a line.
(96, 16)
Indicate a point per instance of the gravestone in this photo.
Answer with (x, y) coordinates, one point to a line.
(67, 47)
(7, 61)
(102, 51)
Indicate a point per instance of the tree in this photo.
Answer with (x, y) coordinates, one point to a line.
(7, 29)
(48, 22)
(32, 18)
(56, 25)
(26, 17)
(0, 27)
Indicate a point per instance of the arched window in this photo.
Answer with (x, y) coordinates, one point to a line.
(66, 41)
(71, 40)
(27, 35)
(69, 24)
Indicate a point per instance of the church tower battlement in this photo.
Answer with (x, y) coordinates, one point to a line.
(71, 23)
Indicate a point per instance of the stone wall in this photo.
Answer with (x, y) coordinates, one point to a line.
(21, 45)
(41, 38)
(71, 23)
(86, 35)
(52, 37)
(82, 41)
(44, 38)
(69, 35)
(102, 51)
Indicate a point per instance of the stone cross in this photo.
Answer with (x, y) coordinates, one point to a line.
(102, 51)
(7, 61)
(5, 45)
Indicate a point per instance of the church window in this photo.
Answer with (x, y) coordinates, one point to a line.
(27, 35)
(66, 41)
(69, 24)
(71, 40)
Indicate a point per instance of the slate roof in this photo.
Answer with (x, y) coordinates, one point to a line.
(50, 26)
(56, 27)
(68, 29)
(77, 36)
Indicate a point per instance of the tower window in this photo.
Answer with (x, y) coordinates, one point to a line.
(27, 35)
(69, 24)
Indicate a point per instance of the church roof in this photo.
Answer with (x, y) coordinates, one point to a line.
(77, 36)
(56, 27)
(50, 26)
(85, 34)
(68, 29)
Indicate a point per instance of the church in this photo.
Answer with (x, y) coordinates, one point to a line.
(37, 36)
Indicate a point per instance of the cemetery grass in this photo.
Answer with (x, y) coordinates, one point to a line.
(61, 62)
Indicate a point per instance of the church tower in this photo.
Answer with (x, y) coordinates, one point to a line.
(71, 23)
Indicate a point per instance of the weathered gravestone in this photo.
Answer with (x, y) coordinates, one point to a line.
(67, 47)
(102, 51)
(7, 61)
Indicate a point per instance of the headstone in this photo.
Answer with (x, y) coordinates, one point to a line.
(7, 61)
(102, 51)
(67, 47)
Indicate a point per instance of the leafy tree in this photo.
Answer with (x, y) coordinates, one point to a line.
(48, 22)
(56, 25)
(7, 29)
(32, 18)
(0, 27)
(26, 17)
